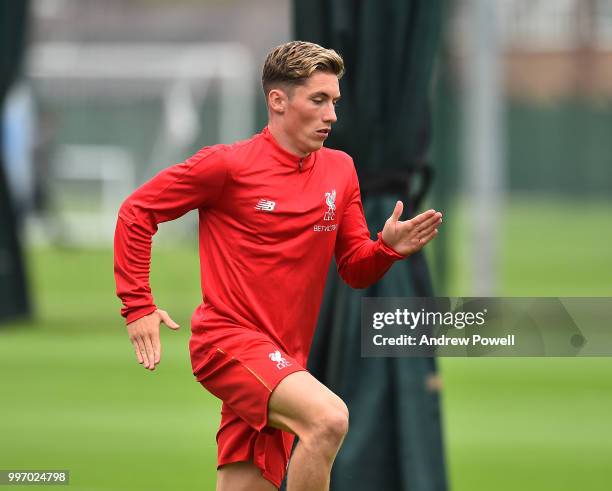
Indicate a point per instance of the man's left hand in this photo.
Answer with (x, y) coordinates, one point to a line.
(410, 236)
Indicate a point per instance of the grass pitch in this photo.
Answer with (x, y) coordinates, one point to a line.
(74, 398)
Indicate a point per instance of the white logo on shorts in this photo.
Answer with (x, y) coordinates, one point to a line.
(280, 361)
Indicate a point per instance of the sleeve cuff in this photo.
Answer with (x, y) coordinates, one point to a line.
(387, 250)
(134, 315)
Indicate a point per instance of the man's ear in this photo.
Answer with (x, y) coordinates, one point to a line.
(277, 101)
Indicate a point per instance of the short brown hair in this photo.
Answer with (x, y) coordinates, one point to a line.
(290, 64)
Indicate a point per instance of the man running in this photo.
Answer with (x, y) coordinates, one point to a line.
(272, 211)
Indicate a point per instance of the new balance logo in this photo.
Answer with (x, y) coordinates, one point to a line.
(280, 361)
(265, 205)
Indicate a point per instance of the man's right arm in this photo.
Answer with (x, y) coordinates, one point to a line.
(198, 182)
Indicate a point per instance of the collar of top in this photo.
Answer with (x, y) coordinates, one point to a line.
(285, 156)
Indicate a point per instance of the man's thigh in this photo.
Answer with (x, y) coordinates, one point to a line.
(298, 400)
(242, 476)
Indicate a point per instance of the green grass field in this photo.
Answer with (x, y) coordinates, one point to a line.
(74, 398)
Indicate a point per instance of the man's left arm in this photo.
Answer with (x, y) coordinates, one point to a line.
(362, 261)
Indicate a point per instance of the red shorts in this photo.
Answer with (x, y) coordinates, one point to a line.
(242, 367)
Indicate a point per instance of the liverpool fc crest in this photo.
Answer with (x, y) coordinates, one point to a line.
(330, 201)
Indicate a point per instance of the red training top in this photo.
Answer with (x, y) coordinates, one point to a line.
(269, 222)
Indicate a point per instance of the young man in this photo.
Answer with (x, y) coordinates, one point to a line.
(272, 211)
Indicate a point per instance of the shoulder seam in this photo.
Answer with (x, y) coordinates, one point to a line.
(178, 178)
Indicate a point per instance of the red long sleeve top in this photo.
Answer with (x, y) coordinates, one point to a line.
(269, 223)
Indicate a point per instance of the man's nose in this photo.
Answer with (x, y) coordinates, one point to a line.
(330, 114)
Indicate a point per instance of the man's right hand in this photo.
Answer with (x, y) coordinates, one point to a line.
(144, 335)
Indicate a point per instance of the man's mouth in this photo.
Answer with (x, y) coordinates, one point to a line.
(324, 131)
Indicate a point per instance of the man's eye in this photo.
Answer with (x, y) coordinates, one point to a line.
(317, 101)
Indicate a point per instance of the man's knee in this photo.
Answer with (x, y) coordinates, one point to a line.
(300, 400)
(328, 427)
(302, 405)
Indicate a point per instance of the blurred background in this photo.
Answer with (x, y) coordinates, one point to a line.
(111, 92)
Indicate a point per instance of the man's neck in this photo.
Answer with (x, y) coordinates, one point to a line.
(283, 140)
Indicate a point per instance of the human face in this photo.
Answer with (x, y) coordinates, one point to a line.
(310, 112)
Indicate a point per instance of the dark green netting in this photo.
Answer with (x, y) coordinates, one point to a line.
(395, 440)
(13, 293)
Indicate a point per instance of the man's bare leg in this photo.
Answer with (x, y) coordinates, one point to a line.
(303, 406)
(242, 476)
